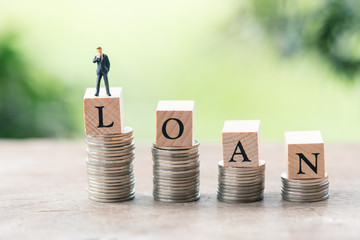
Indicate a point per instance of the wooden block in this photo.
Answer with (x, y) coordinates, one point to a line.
(240, 140)
(305, 154)
(103, 114)
(174, 123)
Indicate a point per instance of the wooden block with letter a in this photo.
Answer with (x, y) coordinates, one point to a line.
(174, 124)
(103, 114)
(240, 140)
(305, 154)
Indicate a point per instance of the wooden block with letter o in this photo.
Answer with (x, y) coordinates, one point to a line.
(174, 123)
(305, 154)
(103, 114)
(240, 140)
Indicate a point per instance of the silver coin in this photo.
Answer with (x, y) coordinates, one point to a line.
(240, 200)
(112, 146)
(110, 177)
(116, 160)
(240, 184)
(115, 169)
(109, 195)
(195, 145)
(176, 197)
(173, 154)
(244, 198)
(183, 149)
(124, 190)
(304, 190)
(175, 185)
(110, 173)
(242, 169)
(172, 200)
(126, 131)
(111, 153)
(177, 188)
(178, 170)
(176, 173)
(291, 199)
(111, 200)
(113, 159)
(312, 189)
(305, 180)
(109, 137)
(121, 188)
(110, 185)
(113, 137)
(126, 140)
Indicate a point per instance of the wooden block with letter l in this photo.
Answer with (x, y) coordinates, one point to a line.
(103, 114)
(305, 154)
(240, 141)
(175, 124)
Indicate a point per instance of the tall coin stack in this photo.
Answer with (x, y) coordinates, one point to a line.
(176, 173)
(241, 184)
(304, 190)
(241, 173)
(110, 166)
(305, 179)
(175, 153)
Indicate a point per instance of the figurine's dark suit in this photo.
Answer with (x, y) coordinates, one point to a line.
(103, 67)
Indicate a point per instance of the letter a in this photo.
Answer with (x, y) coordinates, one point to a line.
(101, 120)
(242, 152)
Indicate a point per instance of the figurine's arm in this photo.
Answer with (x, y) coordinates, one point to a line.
(108, 64)
(96, 59)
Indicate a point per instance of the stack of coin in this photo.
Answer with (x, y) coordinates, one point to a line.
(241, 184)
(176, 173)
(304, 190)
(110, 166)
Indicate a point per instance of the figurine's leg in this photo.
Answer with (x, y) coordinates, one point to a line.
(98, 79)
(107, 84)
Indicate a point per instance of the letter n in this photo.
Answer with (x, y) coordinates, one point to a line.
(303, 158)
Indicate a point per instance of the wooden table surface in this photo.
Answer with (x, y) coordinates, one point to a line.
(43, 196)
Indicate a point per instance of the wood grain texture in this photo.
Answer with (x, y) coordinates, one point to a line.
(112, 111)
(43, 196)
(309, 144)
(247, 133)
(183, 111)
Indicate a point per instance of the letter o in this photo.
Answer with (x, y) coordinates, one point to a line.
(181, 128)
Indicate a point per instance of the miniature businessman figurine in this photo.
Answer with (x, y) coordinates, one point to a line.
(103, 67)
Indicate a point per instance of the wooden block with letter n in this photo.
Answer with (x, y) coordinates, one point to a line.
(305, 154)
(174, 124)
(103, 114)
(240, 140)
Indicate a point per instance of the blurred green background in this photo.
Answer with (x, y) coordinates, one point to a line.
(292, 64)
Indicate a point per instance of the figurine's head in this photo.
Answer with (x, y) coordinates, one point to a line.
(99, 50)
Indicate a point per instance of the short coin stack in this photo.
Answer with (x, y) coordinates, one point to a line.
(241, 184)
(110, 166)
(176, 173)
(304, 190)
